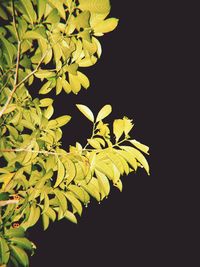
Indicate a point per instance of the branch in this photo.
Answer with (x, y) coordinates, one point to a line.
(14, 21)
(17, 64)
(20, 83)
(32, 151)
(8, 202)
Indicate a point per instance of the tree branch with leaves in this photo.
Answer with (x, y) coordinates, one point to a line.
(47, 41)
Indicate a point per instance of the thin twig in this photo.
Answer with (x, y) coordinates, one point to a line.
(32, 151)
(17, 64)
(20, 83)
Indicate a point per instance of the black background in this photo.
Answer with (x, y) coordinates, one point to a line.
(136, 75)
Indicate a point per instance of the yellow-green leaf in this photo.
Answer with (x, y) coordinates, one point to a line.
(60, 173)
(86, 111)
(140, 146)
(29, 10)
(62, 199)
(20, 255)
(118, 128)
(104, 112)
(95, 6)
(41, 7)
(103, 182)
(107, 25)
(129, 158)
(94, 143)
(83, 79)
(59, 6)
(4, 251)
(75, 202)
(70, 216)
(75, 83)
(138, 155)
(45, 220)
(45, 102)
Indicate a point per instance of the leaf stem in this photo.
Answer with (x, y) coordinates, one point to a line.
(93, 134)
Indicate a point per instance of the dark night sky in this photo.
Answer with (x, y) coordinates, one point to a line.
(134, 75)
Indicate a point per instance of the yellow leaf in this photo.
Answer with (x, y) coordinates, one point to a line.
(104, 112)
(6, 178)
(107, 25)
(60, 173)
(75, 83)
(83, 79)
(138, 155)
(140, 146)
(95, 6)
(103, 182)
(118, 128)
(86, 111)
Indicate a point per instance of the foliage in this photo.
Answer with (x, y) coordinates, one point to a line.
(47, 41)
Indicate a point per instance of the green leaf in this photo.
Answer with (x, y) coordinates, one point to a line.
(3, 14)
(9, 50)
(104, 112)
(22, 242)
(107, 25)
(86, 111)
(4, 196)
(17, 232)
(4, 251)
(20, 255)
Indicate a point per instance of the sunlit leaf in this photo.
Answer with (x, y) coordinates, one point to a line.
(104, 112)
(86, 111)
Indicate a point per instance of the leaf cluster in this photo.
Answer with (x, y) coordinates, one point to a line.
(48, 41)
